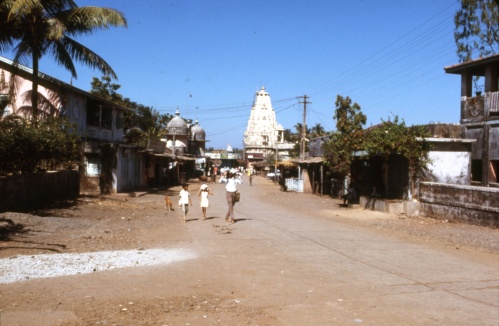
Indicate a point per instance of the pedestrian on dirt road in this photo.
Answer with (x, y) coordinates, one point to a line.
(185, 200)
(204, 191)
(251, 179)
(231, 181)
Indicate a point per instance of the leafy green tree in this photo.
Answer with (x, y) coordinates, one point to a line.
(477, 29)
(288, 135)
(149, 125)
(293, 137)
(142, 123)
(348, 137)
(105, 88)
(396, 138)
(270, 159)
(34, 28)
(26, 148)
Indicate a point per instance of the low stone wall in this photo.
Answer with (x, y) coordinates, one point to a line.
(392, 206)
(26, 192)
(468, 204)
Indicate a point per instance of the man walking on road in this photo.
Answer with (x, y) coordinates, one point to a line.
(231, 182)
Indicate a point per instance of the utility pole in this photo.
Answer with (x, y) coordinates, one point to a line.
(304, 125)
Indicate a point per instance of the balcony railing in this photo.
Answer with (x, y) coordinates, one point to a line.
(480, 107)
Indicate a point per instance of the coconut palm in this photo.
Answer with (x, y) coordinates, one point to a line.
(34, 28)
(318, 130)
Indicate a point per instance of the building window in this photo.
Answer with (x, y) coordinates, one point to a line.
(107, 118)
(93, 165)
(93, 116)
(99, 116)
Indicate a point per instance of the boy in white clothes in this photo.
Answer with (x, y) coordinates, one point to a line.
(185, 200)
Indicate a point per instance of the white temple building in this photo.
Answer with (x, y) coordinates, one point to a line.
(264, 135)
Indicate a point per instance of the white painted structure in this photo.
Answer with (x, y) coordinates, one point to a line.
(263, 135)
(450, 161)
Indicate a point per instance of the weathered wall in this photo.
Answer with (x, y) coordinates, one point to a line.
(449, 167)
(25, 192)
(476, 132)
(468, 204)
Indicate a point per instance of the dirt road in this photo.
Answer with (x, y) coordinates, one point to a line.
(290, 259)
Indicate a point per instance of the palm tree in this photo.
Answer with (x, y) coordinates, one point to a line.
(318, 130)
(299, 128)
(34, 28)
(148, 124)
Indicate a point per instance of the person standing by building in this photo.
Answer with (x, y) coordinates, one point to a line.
(231, 181)
(204, 191)
(185, 200)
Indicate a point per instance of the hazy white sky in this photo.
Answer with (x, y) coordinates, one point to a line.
(209, 57)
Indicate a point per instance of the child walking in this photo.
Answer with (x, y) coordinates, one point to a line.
(205, 203)
(185, 200)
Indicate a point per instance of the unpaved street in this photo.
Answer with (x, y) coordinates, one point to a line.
(290, 259)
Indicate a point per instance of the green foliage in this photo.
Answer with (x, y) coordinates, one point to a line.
(477, 29)
(36, 28)
(270, 159)
(348, 137)
(295, 151)
(106, 89)
(316, 131)
(25, 148)
(142, 123)
(396, 138)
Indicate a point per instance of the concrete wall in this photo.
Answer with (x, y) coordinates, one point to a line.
(407, 207)
(468, 204)
(26, 192)
(449, 167)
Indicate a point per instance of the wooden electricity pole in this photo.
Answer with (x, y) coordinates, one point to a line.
(304, 125)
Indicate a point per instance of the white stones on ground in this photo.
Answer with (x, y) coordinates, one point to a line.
(21, 268)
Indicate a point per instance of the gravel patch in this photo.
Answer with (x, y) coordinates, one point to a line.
(22, 268)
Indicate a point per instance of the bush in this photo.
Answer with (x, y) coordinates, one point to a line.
(26, 148)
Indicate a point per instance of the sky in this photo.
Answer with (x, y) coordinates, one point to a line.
(208, 58)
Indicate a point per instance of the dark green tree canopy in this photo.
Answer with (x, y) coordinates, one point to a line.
(26, 148)
(394, 137)
(477, 29)
(347, 138)
(142, 123)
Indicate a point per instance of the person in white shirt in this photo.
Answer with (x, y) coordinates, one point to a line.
(231, 182)
(185, 199)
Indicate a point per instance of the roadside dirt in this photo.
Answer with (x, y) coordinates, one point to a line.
(122, 222)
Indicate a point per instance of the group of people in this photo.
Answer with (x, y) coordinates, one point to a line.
(231, 179)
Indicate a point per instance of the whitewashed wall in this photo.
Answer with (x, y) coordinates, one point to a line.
(450, 167)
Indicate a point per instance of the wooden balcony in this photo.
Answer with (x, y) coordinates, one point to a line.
(480, 107)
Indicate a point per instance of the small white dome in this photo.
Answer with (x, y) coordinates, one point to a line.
(177, 126)
(197, 132)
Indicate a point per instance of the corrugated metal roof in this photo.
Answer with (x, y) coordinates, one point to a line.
(317, 159)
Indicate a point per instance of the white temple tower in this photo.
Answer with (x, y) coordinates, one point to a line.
(261, 136)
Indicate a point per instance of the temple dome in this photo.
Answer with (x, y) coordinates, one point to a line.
(197, 132)
(177, 126)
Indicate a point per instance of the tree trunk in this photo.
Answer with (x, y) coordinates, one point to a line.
(34, 91)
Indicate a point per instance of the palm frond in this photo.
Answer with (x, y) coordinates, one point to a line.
(86, 20)
(86, 56)
(62, 57)
(47, 107)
